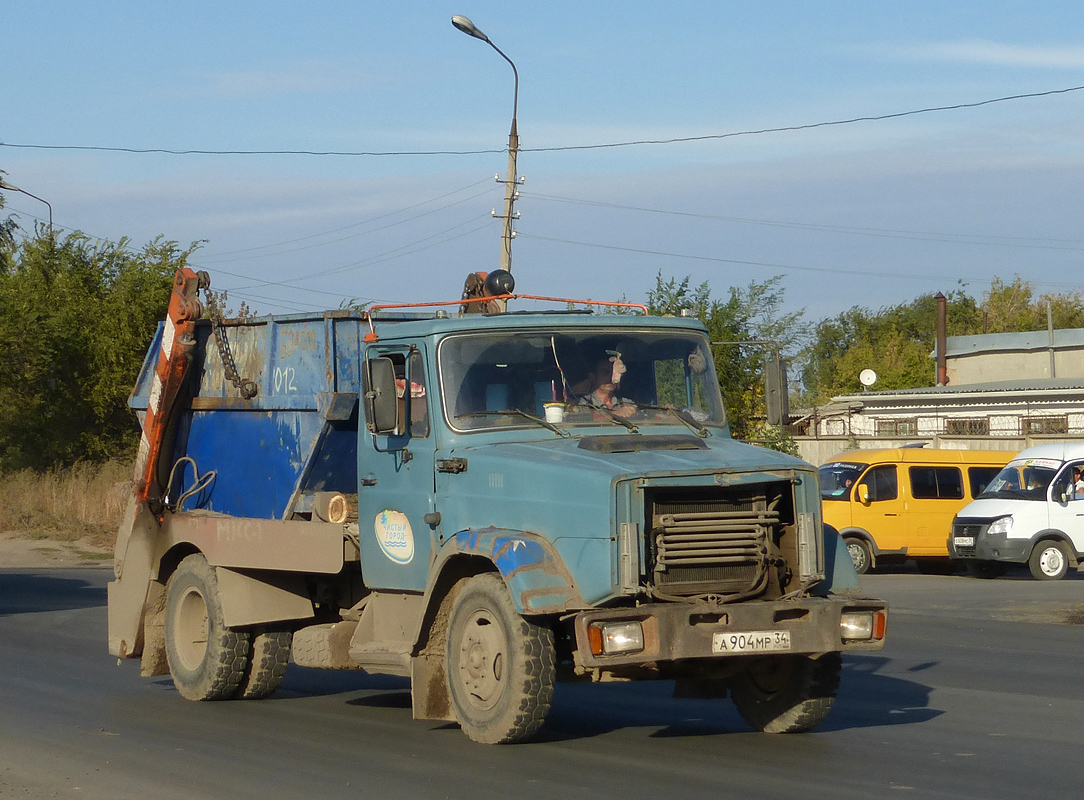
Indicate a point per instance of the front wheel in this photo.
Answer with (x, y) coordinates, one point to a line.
(500, 666)
(787, 694)
(1049, 561)
(860, 554)
(206, 659)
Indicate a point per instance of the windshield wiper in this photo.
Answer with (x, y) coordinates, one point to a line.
(516, 413)
(609, 414)
(699, 430)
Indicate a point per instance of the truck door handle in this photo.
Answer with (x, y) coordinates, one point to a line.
(367, 481)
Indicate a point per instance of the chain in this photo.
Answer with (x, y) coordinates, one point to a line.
(247, 388)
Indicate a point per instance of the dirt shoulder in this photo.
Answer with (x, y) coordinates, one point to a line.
(19, 551)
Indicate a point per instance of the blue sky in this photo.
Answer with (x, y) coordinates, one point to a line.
(871, 213)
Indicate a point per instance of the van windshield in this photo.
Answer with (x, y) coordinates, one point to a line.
(1023, 480)
(838, 477)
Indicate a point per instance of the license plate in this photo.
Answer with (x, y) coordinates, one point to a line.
(750, 642)
(964, 541)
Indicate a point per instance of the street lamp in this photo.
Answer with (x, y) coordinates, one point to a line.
(5, 185)
(466, 26)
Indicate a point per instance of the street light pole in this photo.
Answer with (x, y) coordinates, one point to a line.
(5, 185)
(463, 24)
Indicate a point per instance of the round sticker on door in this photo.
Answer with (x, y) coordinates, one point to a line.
(394, 536)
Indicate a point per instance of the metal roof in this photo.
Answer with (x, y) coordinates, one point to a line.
(1019, 386)
(1065, 338)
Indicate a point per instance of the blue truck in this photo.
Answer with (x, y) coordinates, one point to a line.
(485, 503)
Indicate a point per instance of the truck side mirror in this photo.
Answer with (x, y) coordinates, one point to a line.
(381, 407)
(863, 494)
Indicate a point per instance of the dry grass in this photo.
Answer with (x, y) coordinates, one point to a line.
(84, 503)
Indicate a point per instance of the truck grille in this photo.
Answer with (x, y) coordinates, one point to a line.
(716, 544)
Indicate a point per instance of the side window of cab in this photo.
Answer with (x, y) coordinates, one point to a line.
(1070, 483)
(878, 484)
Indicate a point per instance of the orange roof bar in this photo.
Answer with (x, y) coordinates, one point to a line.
(371, 335)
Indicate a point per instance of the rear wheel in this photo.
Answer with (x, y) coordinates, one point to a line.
(1049, 561)
(500, 666)
(860, 554)
(206, 659)
(986, 569)
(787, 694)
(270, 656)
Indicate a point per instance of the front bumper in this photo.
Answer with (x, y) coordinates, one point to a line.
(679, 631)
(991, 547)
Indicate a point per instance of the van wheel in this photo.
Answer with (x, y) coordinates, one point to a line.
(787, 694)
(1049, 561)
(860, 554)
(206, 659)
(986, 569)
(500, 666)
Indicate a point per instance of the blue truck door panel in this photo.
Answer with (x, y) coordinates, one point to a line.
(395, 489)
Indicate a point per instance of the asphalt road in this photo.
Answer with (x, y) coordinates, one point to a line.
(979, 694)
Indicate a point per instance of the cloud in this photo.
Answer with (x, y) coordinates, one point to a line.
(991, 53)
(305, 78)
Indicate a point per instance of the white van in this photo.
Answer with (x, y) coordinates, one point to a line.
(1030, 513)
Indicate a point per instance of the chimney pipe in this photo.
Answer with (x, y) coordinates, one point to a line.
(942, 342)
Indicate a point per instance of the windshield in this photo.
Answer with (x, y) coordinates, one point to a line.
(838, 477)
(614, 378)
(1023, 480)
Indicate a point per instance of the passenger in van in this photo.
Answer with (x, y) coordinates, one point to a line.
(1078, 483)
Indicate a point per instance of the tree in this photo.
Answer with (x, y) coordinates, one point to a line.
(75, 319)
(8, 227)
(896, 341)
(747, 319)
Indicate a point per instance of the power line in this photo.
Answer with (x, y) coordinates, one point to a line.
(219, 259)
(354, 224)
(766, 264)
(634, 143)
(888, 233)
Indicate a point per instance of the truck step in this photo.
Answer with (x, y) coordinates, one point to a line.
(388, 657)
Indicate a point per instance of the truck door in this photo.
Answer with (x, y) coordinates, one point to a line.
(396, 481)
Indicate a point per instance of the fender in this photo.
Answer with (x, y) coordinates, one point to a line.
(536, 576)
(1061, 536)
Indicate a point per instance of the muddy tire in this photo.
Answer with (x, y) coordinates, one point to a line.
(860, 553)
(500, 667)
(787, 694)
(267, 665)
(986, 570)
(1049, 561)
(206, 660)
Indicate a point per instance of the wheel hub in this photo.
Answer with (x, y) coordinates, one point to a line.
(191, 629)
(1052, 561)
(481, 660)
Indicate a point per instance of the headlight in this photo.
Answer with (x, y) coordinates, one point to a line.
(616, 637)
(1000, 526)
(855, 625)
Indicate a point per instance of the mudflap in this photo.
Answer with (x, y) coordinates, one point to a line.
(133, 566)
